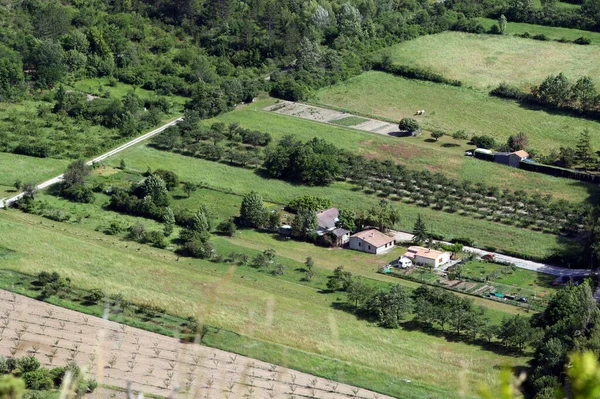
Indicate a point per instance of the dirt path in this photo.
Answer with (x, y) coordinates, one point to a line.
(326, 115)
(115, 354)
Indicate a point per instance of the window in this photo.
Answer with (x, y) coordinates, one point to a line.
(359, 243)
(369, 247)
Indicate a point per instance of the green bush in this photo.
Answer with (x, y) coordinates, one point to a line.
(38, 380)
(408, 124)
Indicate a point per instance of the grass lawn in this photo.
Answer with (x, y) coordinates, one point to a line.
(27, 169)
(451, 108)
(300, 322)
(240, 181)
(445, 156)
(485, 61)
(551, 32)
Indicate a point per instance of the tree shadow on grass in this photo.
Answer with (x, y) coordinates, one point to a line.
(450, 145)
(348, 308)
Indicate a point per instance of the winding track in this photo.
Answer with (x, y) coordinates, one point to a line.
(100, 158)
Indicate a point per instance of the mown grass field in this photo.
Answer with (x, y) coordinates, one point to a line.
(451, 108)
(282, 311)
(445, 156)
(485, 61)
(27, 169)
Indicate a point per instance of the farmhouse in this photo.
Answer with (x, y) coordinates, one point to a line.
(427, 256)
(371, 241)
(327, 220)
(510, 158)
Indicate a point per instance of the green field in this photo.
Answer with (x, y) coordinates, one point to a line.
(451, 108)
(485, 61)
(282, 311)
(27, 169)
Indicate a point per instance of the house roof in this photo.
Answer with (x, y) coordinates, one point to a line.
(502, 154)
(327, 218)
(521, 153)
(422, 252)
(373, 237)
(339, 232)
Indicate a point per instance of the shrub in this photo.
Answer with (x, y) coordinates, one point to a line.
(27, 364)
(39, 380)
(227, 227)
(309, 202)
(486, 142)
(505, 90)
(541, 36)
(460, 135)
(582, 40)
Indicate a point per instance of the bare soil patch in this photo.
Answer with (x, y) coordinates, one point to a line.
(114, 354)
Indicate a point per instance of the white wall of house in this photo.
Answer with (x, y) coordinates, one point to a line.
(440, 260)
(359, 244)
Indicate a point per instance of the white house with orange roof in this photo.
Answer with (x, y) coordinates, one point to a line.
(427, 256)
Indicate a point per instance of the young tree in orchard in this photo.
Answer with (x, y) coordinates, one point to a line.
(419, 231)
(309, 267)
(437, 134)
(252, 211)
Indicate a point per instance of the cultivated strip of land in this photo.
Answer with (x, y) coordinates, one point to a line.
(326, 115)
(114, 354)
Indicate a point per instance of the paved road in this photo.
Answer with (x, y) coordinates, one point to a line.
(520, 263)
(100, 158)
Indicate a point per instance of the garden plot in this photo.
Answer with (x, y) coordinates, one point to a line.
(326, 115)
(114, 354)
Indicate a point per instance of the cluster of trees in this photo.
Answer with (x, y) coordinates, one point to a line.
(26, 373)
(129, 115)
(231, 143)
(309, 202)
(195, 234)
(73, 186)
(582, 156)
(584, 17)
(433, 308)
(556, 91)
(149, 198)
(315, 162)
(571, 322)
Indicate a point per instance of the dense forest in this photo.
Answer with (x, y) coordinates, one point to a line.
(221, 52)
